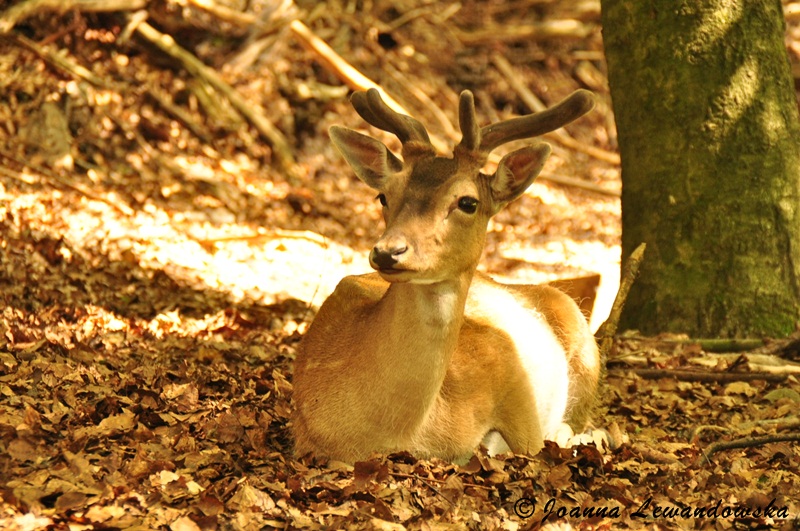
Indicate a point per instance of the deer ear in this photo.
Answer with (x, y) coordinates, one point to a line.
(369, 158)
(516, 172)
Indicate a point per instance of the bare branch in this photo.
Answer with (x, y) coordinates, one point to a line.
(280, 146)
(23, 10)
(605, 334)
(747, 442)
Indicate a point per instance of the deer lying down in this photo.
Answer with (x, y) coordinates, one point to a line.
(427, 355)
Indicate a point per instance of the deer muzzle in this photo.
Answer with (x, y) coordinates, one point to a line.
(388, 254)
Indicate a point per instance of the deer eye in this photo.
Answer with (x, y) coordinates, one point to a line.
(382, 199)
(468, 204)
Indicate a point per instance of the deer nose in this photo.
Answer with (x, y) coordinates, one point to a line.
(387, 253)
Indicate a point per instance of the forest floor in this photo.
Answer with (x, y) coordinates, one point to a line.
(160, 260)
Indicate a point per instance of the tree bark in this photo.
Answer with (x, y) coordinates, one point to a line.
(708, 133)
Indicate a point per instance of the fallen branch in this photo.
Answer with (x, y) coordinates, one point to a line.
(334, 63)
(280, 146)
(23, 10)
(570, 29)
(605, 334)
(789, 346)
(354, 79)
(225, 13)
(17, 176)
(708, 345)
(764, 366)
(782, 423)
(179, 113)
(747, 442)
(415, 477)
(706, 376)
(753, 361)
(59, 61)
(427, 102)
(348, 74)
(578, 183)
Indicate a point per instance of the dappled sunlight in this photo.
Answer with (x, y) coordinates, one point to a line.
(262, 267)
(202, 251)
(735, 100)
(773, 121)
(245, 262)
(713, 25)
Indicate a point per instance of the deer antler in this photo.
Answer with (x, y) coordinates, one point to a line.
(467, 121)
(371, 107)
(486, 139)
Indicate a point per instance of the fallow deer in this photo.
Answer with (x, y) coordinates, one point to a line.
(427, 355)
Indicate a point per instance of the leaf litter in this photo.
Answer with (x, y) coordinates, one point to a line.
(156, 282)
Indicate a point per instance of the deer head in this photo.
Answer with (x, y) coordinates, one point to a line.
(436, 208)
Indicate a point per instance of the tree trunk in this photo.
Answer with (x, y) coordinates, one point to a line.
(708, 132)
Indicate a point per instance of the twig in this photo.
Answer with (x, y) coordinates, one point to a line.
(747, 442)
(578, 183)
(265, 30)
(410, 15)
(14, 14)
(777, 424)
(598, 153)
(709, 345)
(536, 105)
(755, 361)
(695, 434)
(273, 234)
(419, 478)
(17, 176)
(706, 376)
(59, 61)
(358, 81)
(225, 13)
(783, 370)
(335, 64)
(179, 113)
(280, 146)
(348, 74)
(435, 111)
(605, 334)
(572, 29)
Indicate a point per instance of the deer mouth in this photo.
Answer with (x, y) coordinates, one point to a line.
(392, 271)
(391, 274)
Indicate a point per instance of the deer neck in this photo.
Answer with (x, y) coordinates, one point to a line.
(431, 311)
(422, 324)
